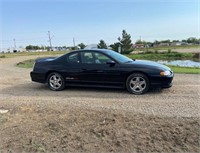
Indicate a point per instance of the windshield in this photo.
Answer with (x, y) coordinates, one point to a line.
(119, 57)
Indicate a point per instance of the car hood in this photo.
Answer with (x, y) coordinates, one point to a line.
(146, 63)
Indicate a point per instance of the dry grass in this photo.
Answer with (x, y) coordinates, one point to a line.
(66, 129)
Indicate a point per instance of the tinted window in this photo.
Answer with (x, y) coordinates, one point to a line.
(87, 58)
(73, 58)
(119, 57)
(101, 58)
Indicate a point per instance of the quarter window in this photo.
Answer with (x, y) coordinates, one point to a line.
(73, 58)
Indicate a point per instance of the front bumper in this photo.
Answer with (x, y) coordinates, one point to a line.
(162, 81)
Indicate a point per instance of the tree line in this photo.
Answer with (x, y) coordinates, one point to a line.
(123, 44)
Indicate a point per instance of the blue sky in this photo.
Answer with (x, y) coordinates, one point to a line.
(89, 21)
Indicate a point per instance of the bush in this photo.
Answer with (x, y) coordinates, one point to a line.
(196, 55)
(156, 51)
(148, 52)
(2, 56)
(127, 52)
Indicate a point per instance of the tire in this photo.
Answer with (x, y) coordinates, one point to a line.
(56, 81)
(137, 83)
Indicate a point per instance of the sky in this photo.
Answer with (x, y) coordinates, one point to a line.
(88, 21)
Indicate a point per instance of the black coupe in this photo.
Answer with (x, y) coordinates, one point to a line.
(101, 68)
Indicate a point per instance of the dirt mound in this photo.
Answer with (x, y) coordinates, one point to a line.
(29, 128)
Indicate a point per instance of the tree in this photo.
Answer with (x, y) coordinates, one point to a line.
(115, 46)
(102, 44)
(165, 41)
(31, 47)
(82, 45)
(192, 40)
(141, 42)
(184, 40)
(125, 41)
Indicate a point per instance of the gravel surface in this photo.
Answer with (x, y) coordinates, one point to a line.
(16, 88)
(35, 119)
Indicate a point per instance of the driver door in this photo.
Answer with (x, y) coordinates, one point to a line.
(95, 69)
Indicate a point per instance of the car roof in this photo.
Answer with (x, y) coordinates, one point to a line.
(95, 50)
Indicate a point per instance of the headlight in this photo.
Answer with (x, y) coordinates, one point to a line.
(165, 73)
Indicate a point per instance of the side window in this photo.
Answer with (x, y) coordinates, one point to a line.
(101, 58)
(73, 58)
(87, 58)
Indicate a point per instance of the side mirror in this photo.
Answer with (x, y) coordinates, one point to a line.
(111, 63)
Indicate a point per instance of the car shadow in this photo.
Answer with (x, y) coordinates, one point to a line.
(41, 90)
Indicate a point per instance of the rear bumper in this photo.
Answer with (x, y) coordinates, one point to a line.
(38, 77)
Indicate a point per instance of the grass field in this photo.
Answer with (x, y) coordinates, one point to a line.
(51, 53)
(168, 48)
(186, 70)
(146, 55)
(162, 56)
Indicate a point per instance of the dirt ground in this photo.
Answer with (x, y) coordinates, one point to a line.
(96, 120)
(188, 50)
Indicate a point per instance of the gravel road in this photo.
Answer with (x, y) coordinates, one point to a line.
(16, 88)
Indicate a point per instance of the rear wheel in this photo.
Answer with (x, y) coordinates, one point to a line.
(56, 82)
(137, 83)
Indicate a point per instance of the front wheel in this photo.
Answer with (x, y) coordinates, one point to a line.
(137, 83)
(55, 82)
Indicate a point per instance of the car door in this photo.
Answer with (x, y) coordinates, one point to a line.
(72, 68)
(95, 69)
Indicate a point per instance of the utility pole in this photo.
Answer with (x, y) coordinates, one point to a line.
(14, 43)
(50, 40)
(74, 42)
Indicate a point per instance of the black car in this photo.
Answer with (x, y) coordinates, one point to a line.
(101, 68)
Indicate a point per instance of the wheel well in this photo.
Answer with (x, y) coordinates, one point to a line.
(47, 74)
(136, 72)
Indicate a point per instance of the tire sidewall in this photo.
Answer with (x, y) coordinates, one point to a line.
(137, 75)
(62, 79)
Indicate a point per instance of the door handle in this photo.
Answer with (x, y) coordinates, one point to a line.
(83, 69)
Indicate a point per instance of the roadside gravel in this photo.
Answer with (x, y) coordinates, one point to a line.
(16, 88)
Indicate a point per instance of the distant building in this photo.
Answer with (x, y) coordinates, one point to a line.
(178, 43)
(139, 46)
(12, 50)
(58, 48)
(163, 44)
(91, 46)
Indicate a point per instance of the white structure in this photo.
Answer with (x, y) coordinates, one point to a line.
(12, 50)
(91, 46)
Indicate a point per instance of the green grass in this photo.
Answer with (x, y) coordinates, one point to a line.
(186, 70)
(176, 69)
(2, 56)
(26, 63)
(149, 55)
(168, 47)
(162, 56)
